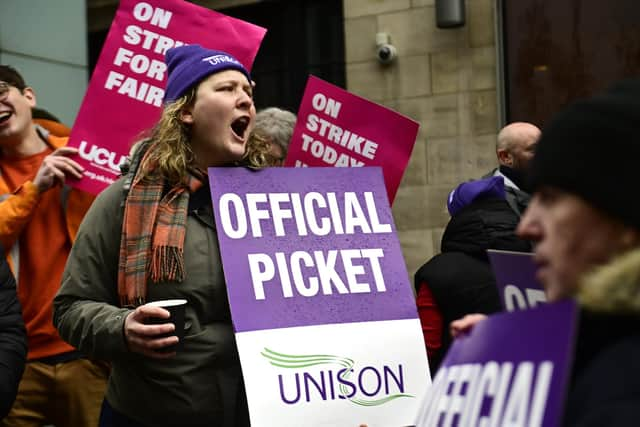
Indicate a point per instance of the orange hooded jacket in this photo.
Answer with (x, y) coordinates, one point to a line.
(16, 208)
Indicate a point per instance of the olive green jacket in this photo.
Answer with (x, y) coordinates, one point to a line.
(202, 385)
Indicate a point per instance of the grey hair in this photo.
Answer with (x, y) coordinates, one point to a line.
(275, 125)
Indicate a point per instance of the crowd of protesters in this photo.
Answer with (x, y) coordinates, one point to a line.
(76, 344)
(586, 235)
(484, 215)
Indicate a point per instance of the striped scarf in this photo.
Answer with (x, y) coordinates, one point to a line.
(153, 232)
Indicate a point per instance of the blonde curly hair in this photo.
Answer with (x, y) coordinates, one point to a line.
(258, 152)
(273, 127)
(171, 154)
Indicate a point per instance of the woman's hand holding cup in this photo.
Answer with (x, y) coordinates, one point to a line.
(151, 329)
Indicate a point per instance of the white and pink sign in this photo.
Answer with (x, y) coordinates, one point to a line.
(324, 314)
(338, 128)
(125, 94)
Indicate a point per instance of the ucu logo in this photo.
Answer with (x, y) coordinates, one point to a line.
(101, 156)
(219, 59)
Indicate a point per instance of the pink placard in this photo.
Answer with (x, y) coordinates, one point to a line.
(125, 94)
(338, 128)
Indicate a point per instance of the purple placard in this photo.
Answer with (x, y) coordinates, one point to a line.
(254, 262)
(512, 369)
(515, 274)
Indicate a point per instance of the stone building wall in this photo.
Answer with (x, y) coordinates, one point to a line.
(444, 79)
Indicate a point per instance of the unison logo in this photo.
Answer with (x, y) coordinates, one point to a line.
(304, 380)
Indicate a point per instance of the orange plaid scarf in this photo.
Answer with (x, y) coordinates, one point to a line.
(153, 232)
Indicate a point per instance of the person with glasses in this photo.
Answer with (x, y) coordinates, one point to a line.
(38, 222)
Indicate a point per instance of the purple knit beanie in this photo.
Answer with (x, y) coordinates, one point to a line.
(464, 194)
(190, 64)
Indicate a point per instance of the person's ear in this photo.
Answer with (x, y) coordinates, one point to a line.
(504, 157)
(30, 95)
(186, 115)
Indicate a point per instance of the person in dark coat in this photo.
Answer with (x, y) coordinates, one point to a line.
(586, 231)
(13, 338)
(459, 280)
(587, 235)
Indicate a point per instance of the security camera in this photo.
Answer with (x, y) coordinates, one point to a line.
(385, 51)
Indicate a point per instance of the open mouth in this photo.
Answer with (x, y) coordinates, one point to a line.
(4, 116)
(239, 126)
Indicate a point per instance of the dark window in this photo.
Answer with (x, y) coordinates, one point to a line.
(559, 51)
(303, 37)
(95, 41)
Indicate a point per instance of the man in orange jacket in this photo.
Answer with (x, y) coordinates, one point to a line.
(38, 223)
